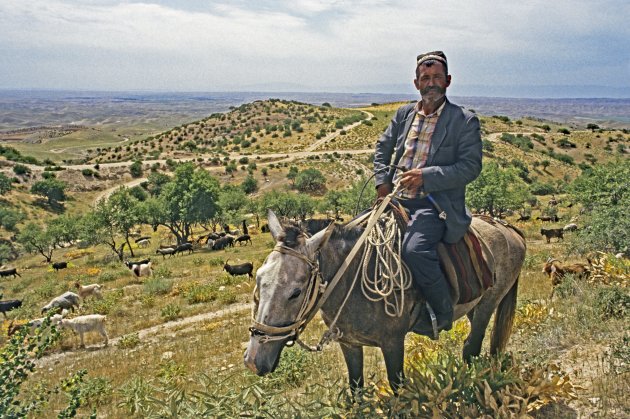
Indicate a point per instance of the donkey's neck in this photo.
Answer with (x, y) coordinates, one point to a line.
(332, 256)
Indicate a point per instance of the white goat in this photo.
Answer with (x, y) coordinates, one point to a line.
(89, 290)
(82, 324)
(143, 243)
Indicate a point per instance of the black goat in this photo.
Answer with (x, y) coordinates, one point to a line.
(59, 265)
(9, 305)
(223, 242)
(8, 272)
(244, 238)
(242, 269)
(183, 247)
(245, 230)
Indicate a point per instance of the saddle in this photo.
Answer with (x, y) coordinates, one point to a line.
(468, 265)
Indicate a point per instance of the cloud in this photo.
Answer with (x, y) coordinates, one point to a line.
(207, 45)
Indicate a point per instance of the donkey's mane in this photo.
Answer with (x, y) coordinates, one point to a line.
(294, 231)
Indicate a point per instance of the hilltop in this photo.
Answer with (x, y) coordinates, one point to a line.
(192, 318)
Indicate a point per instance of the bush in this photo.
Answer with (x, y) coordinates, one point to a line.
(129, 341)
(200, 293)
(20, 169)
(612, 302)
(170, 312)
(158, 286)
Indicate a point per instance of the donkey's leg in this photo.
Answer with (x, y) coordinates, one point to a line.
(480, 319)
(354, 362)
(394, 354)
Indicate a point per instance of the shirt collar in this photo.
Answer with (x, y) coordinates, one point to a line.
(437, 113)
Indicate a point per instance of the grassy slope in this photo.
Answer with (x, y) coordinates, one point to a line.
(216, 346)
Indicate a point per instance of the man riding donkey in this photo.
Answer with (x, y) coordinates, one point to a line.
(432, 149)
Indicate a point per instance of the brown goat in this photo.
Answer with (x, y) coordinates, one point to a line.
(556, 271)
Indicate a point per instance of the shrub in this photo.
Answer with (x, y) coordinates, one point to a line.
(170, 312)
(612, 302)
(129, 341)
(158, 285)
(20, 169)
(200, 293)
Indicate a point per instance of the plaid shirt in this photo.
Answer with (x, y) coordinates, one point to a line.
(418, 143)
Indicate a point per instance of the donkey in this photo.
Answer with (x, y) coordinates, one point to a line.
(286, 277)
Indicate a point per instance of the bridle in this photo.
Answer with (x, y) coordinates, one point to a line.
(314, 289)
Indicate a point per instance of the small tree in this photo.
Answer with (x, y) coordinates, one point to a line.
(592, 127)
(136, 169)
(250, 184)
(497, 190)
(293, 173)
(9, 218)
(310, 180)
(51, 189)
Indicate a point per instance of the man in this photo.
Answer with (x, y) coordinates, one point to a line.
(439, 146)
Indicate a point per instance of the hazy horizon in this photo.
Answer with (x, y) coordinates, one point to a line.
(567, 48)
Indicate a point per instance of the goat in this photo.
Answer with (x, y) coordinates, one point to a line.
(242, 269)
(524, 217)
(223, 242)
(143, 243)
(85, 291)
(570, 227)
(244, 238)
(166, 251)
(140, 269)
(265, 228)
(8, 305)
(245, 231)
(67, 300)
(183, 247)
(552, 232)
(82, 324)
(31, 324)
(59, 265)
(139, 262)
(167, 246)
(143, 238)
(557, 271)
(549, 218)
(213, 236)
(209, 244)
(8, 272)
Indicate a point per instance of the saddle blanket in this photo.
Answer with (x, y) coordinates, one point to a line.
(468, 264)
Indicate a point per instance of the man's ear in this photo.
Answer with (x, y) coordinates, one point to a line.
(416, 84)
(448, 80)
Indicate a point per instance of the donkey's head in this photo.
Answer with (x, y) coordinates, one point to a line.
(282, 285)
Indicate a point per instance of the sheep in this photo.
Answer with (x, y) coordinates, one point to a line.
(556, 271)
(143, 243)
(85, 291)
(244, 238)
(552, 232)
(59, 265)
(242, 269)
(8, 272)
(82, 324)
(166, 251)
(183, 247)
(140, 269)
(8, 305)
(67, 300)
(570, 227)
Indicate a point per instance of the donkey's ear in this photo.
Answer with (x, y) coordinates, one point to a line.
(275, 228)
(319, 239)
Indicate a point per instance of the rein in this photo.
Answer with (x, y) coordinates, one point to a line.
(318, 291)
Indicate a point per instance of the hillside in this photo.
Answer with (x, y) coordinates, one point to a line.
(185, 327)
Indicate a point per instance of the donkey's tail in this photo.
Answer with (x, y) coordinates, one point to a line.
(503, 319)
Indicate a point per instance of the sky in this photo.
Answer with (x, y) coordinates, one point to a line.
(526, 47)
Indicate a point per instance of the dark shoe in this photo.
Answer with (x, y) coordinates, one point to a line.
(439, 307)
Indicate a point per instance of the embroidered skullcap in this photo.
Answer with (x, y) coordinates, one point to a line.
(433, 55)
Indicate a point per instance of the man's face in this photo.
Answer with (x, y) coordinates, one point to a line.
(432, 82)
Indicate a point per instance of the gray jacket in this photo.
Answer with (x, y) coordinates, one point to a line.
(454, 160)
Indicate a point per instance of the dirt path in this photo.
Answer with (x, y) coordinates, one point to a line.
(107, 192)
(335, 134)
(149, 334)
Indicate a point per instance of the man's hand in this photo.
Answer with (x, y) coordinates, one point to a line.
(411, 180)
(383, 190)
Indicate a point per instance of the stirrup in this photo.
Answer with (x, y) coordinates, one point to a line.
(433, 317)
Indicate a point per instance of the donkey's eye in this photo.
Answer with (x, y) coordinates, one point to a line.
(296, 292)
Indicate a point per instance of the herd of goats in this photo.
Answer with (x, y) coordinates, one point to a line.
(68, 301)
(212, 241)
